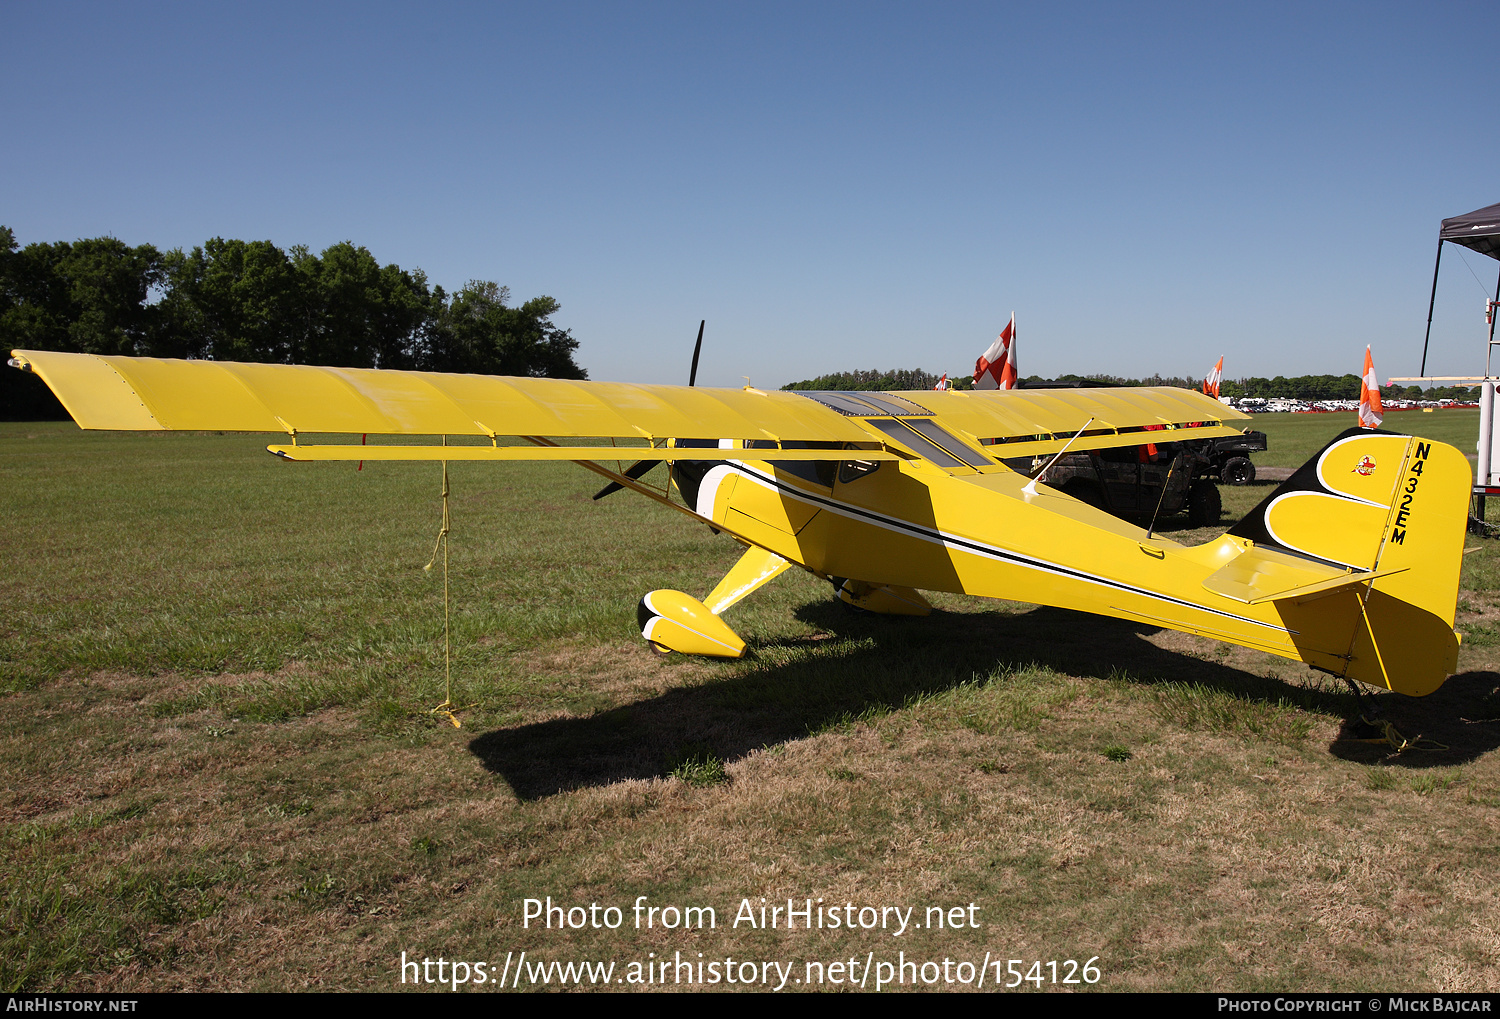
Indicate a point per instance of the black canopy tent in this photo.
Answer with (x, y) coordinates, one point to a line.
(1479, 231)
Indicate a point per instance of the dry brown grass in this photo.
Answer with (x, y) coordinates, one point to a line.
(1205, 860)
(1198, 817)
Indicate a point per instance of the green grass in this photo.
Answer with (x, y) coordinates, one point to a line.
(696, 764)
(222, 771)
(1292, 439)
(1194, 705)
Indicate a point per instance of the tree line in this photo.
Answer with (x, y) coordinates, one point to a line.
(234, 300)
(872, 381)
(1301, 387)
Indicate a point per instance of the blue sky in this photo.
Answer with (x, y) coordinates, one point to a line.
(830, 186)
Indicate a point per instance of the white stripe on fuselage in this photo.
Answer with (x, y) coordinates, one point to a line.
(708, 492)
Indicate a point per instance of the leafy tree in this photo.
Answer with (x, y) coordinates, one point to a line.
(235, 301)
(109, 284)
(1301, 387)
(365, 315)
(480, 333)
(7, 255)
(252, 301)
(873, 380)
(90, 296)
(23, 396)
(87, 297)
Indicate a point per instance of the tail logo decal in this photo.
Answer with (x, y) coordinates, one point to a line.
(1340, 506)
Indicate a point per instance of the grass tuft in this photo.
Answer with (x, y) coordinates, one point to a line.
(1197, 706)
(1429, 782)
(697, 764)
(427, 845)
(282, 811)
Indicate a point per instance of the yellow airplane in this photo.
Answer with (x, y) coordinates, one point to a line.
(1351, 566)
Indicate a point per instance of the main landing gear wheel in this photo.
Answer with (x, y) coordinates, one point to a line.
(862, 598)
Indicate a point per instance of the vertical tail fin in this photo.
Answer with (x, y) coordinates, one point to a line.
(1375, 502)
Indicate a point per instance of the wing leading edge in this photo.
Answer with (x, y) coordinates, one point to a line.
(133, 393)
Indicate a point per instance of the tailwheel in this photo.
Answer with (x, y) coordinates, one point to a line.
(849, 606)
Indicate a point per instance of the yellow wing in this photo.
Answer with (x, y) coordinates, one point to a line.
(1028, 422)
(152, 393)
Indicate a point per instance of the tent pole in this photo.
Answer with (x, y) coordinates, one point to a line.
(1494, 311)
(1430, 302)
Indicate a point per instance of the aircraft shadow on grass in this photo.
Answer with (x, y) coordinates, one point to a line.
(884, 662)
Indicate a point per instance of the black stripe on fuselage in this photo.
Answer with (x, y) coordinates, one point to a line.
(979, 548)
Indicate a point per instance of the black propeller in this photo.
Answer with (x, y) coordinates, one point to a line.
(640, 468)
(693, 373)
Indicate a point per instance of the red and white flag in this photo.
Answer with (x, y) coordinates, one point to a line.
(1212, 379)
(942, 382)
(1370, 411)
(996, 367)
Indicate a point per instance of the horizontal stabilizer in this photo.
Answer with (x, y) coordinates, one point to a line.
(1259, 575)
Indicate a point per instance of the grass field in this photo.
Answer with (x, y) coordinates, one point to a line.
(220, 773)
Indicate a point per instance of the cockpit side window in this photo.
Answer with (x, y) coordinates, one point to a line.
(918, 444)
(853, 470)
(939, 435)
(819, 472)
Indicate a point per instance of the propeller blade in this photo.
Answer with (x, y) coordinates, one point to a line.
(634, 472)
(638, 469)
(693, 375)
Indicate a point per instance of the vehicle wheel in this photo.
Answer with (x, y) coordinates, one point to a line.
(1204, 505)
(1087, 494)
(657, 649)
(1238, 470)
